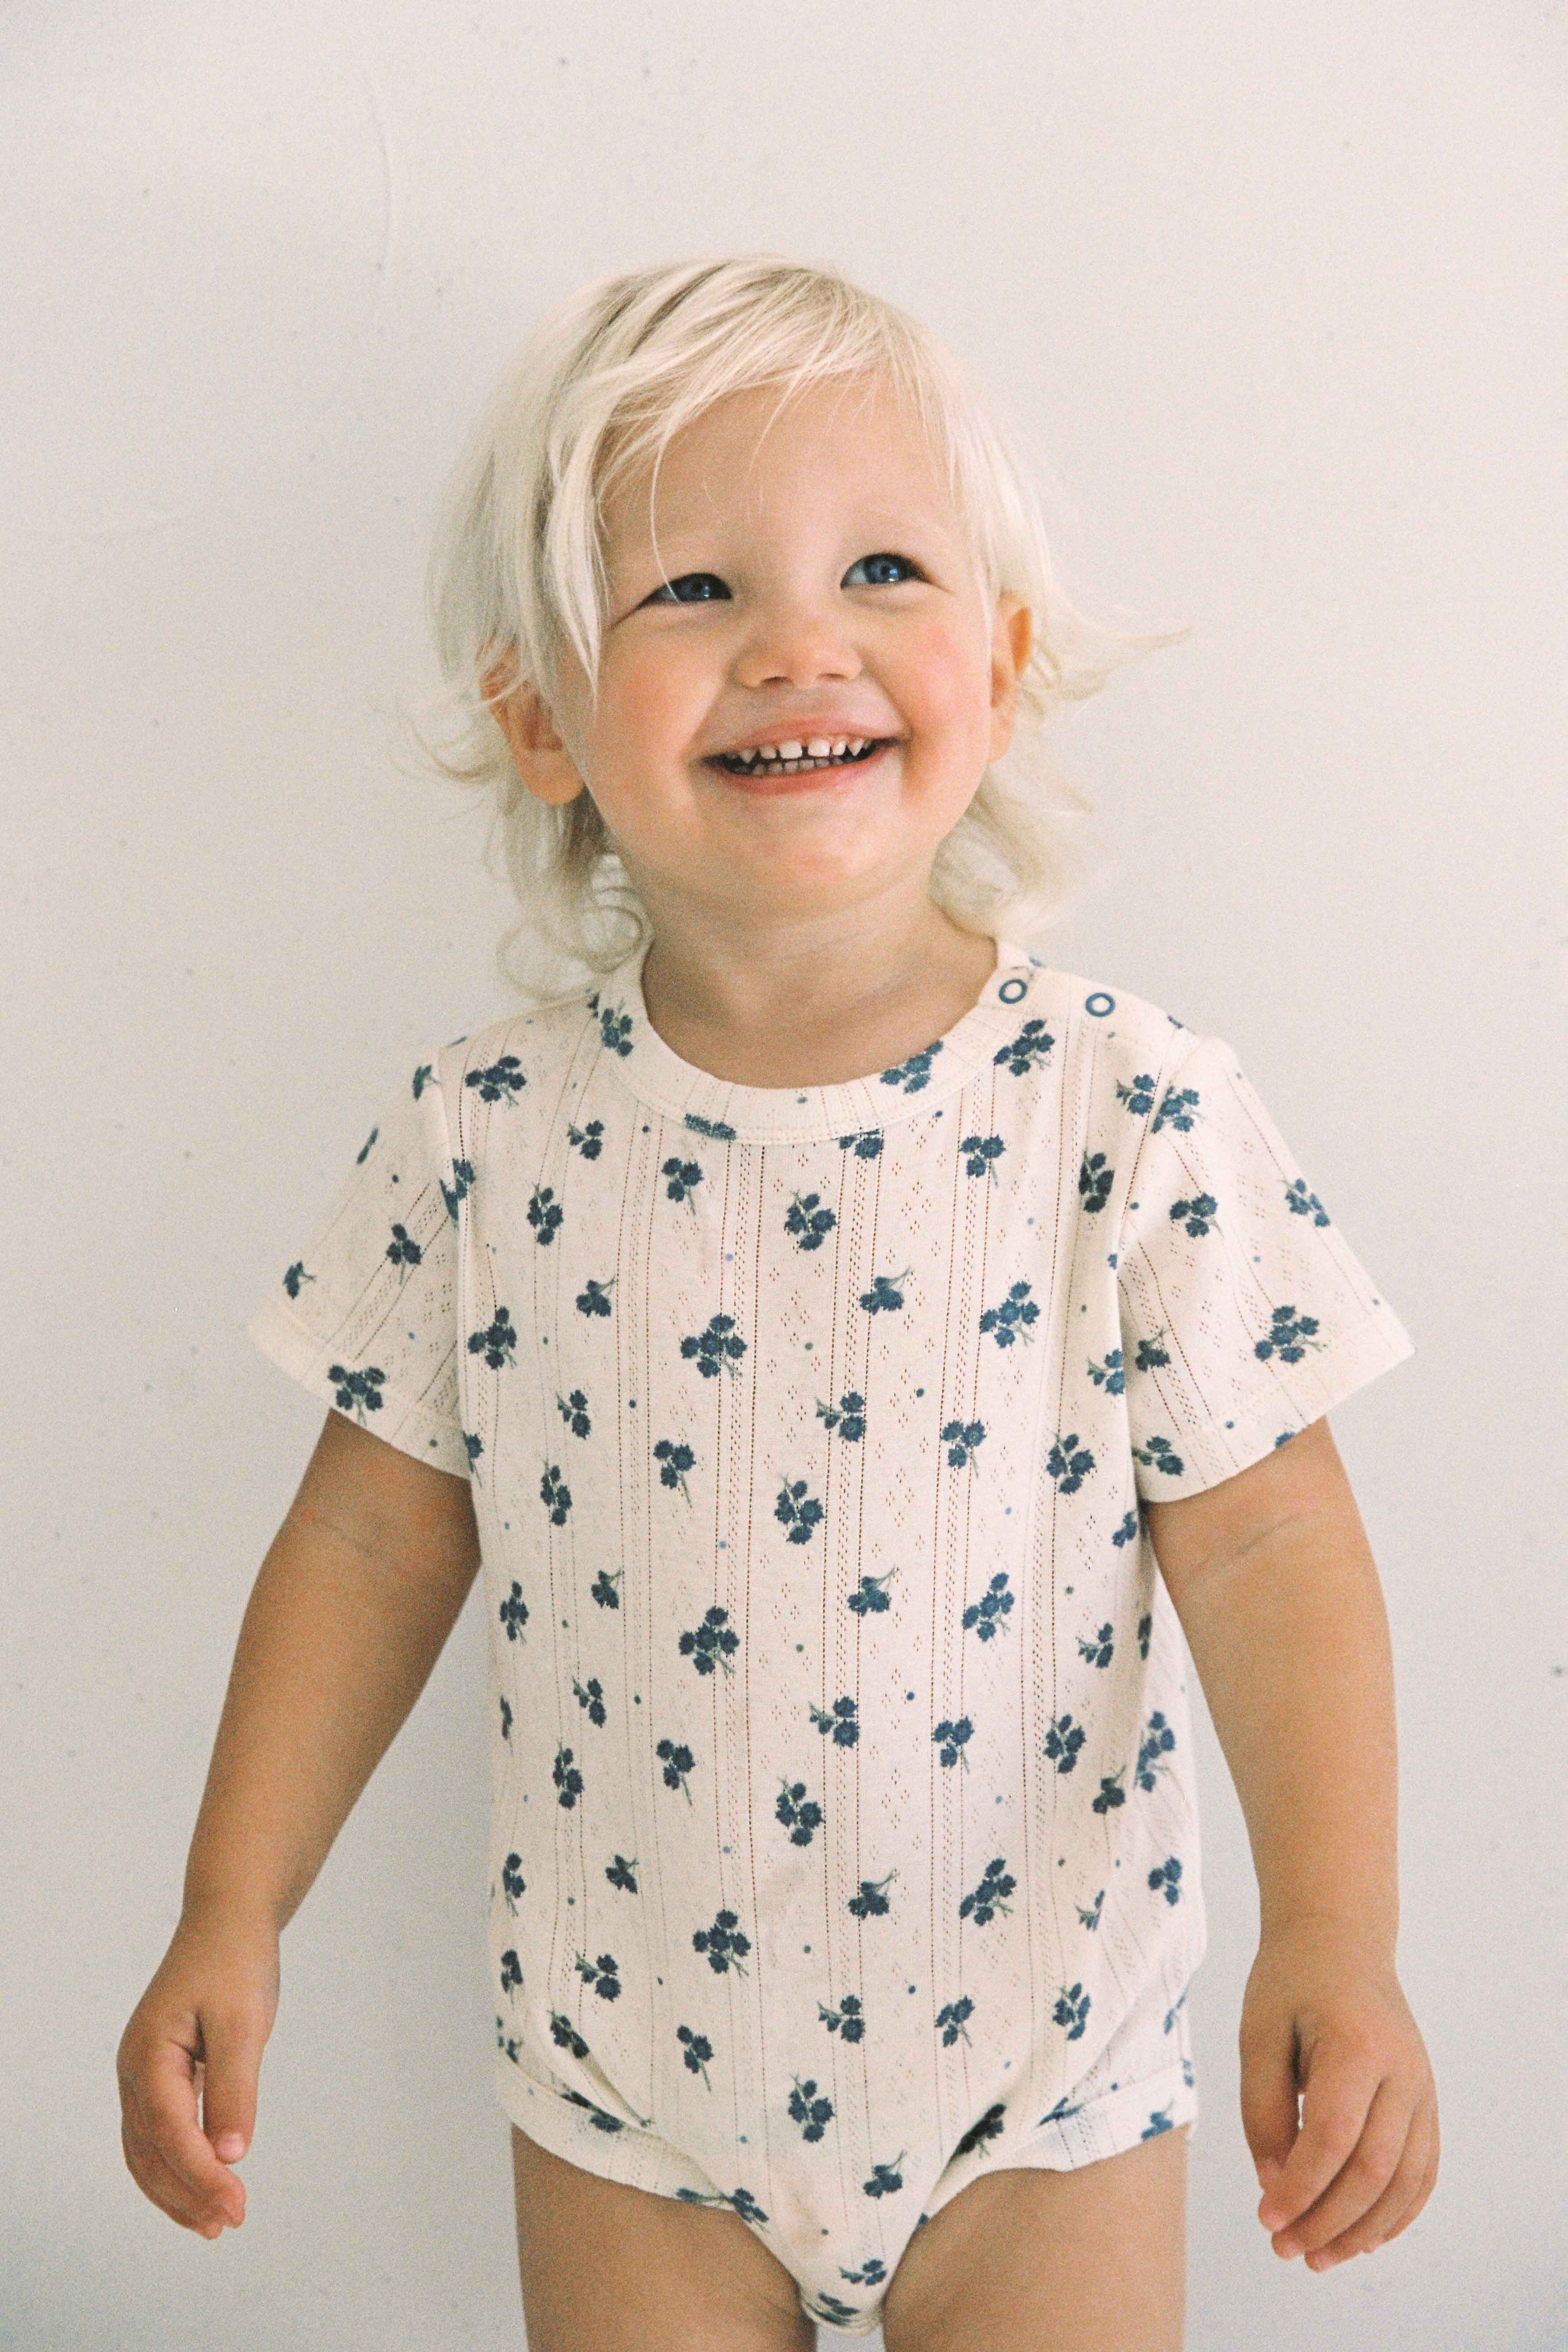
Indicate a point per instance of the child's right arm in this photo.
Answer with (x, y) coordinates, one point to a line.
(350, 1610)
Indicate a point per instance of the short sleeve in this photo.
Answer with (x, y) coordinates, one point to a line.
(365, 1316)
(1244, 1314)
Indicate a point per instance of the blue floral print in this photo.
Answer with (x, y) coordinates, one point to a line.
(842, 1776)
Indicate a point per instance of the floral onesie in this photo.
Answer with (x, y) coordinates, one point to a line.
(844, 1842)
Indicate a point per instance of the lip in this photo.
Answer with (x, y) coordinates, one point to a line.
(816, 729)
(814, 780)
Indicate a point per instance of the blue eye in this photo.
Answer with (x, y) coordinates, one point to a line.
(692, 588)
(878, 563)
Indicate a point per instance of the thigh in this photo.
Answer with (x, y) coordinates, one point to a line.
(609, 2268)
(1088, 2261)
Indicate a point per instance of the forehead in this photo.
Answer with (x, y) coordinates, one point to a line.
(851, 444)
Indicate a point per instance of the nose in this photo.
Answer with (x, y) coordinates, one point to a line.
(794, 641)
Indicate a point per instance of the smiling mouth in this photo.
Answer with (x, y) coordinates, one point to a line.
(791, 758)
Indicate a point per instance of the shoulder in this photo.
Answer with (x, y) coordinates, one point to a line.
(1125, 1036)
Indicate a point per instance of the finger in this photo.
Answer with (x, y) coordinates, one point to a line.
(1340, 2089)
(1397, 2208)
(158, 2182)
(165, 2095)
(1368, 2168)
(1269, 2116)
(232, 2047)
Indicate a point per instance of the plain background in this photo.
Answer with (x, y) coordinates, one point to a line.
(1278, 290)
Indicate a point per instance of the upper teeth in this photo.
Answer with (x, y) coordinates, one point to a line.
(820, 748)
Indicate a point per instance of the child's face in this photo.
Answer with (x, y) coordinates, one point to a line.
(810, 583)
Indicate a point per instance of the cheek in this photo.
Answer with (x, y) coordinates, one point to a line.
(644, 703)
(949, 673)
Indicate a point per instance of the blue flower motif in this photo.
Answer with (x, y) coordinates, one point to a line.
(593, 1699)
(544, 1215)
(842, 1722)
(951, 1738)
(1288, 1329)
(698, 2051)
(1197, 1214)
(565, 2036)
(1072, 2011)
(1063, 1741)
(602, 1974)
(1139, 1097)
(674, 1461)
(1099, 1648)
(988, 1616)
(1029, 1048)
(1176, 1111)
(723, 1943)
(403, 1249)
(713, 1642)
(502, 1082)
(1167, 1880)
(677, 1762)
(871, 1902)
(357, 1391)
(567, 1777)
(884, 1295)
(512, 1882)
(1068, 1466)
(1012, 1319)
(556, 1495)
(620, 1874)
(514, 1612)
(799, 1517)
(800, 1814)
(989, 2125)
(808, 1221)
(951, 2020)
(964, 1439)
(846, 2019)
(1095, 1179)
(987, 1899)
(497, 1342)
(1109, 1375)
(720, 1345)
(847, 1416)
(813, 2113)
(1303, 1203)
(1159, 1739)
(983, 1152)
(872, 1596)
(685, 1175)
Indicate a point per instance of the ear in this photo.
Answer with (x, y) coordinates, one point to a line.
(1012, 640)
(538, 755)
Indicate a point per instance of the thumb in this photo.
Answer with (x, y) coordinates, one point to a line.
(232, 2044)
(1269, 2114)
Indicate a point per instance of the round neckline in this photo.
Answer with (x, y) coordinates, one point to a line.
(728, 1110)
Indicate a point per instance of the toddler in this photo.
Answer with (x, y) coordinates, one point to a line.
(853, 1354)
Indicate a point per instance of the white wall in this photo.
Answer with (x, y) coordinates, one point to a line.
(1279, 291)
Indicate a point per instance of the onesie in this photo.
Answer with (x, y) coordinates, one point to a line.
(844, 1842)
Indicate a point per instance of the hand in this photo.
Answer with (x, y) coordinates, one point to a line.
(1323, 2016)
(198, 2030)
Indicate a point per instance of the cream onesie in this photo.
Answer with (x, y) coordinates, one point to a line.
(844, 1843)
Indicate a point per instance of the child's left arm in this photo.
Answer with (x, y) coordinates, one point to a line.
(1275, 1585)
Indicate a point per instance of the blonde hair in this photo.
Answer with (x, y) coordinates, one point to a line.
(516, 576)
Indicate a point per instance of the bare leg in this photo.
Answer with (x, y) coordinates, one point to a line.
(608, 2268)
(1090, 2261)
